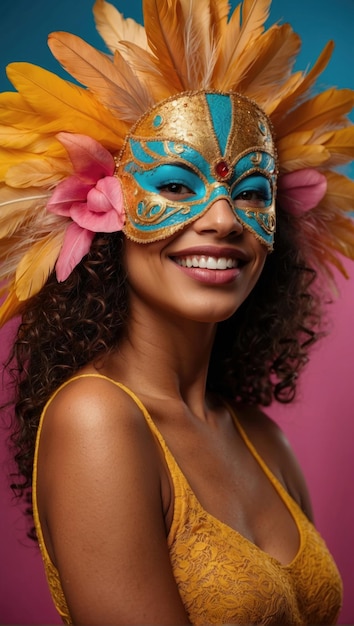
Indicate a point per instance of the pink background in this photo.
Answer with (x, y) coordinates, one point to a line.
(320, 428)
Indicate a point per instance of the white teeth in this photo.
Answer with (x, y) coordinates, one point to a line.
(207, 262)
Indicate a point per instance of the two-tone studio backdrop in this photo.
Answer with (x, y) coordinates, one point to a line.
(320, 425)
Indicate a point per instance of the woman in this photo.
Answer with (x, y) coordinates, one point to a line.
(166, 293)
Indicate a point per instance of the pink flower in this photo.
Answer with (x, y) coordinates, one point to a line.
(301, 190)
(92, 197)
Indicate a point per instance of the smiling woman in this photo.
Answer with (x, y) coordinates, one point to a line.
(176, 218)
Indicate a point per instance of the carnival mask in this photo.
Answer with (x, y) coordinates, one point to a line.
(217, 146)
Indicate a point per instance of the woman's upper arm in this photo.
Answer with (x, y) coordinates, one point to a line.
(99, 494)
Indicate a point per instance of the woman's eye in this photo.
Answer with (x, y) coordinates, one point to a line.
(171, 190)
(254, 191)
(251, 197)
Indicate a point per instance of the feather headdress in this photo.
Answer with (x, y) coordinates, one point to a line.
(184, 45)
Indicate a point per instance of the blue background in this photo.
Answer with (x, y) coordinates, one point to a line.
(25, 25)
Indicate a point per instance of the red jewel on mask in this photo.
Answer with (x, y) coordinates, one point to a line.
(222, 169)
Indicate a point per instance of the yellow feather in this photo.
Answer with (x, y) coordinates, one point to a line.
(31, 226)
(291, 141)
(9, 158)
(237, 50)
(321, 112)
(219, 14)
(16, 206)
(16, 112)
(145, 67)
(185, 45)
(300, 157)
(271, 68)
(340, 237)
(199, 38)
(340, 193)
(323, 258)
(36, 265)
(301, 89)
(10, 307)
(114, 28)
(226, 44)
(15, 158)
(270, 104)
(164, 25)
(46, 172)
(115, 85)
(131, 108)
(340, 144)
(25, 140)
(325, 236)
(69, 107)
(254, 14)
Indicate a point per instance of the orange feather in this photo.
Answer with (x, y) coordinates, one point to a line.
(67, 106)
(11, 305)
(236, 51)
(16, 206)
(340, 145)
(321, 112)
(164, 25)
(303, 156)
(36, 265)
(114, 29)
(340, 193)
(301, 89)
(114, 84)
(271, 68)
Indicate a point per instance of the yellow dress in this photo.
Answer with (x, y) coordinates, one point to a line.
(222, 577)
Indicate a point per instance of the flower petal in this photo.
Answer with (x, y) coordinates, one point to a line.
(104, 210)
(90, 159)
(301, 191)
(70, 190)
(77, 243)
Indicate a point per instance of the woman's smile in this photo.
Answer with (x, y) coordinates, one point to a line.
(207, 262)
(211, 266)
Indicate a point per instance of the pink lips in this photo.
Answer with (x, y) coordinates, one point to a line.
(211, 265)
(216, 277)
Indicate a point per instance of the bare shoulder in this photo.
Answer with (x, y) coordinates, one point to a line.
(91, 415)
(275, 449)
(101, 509)
(87, 394)
(93, 429)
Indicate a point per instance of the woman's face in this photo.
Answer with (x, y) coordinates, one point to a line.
(198, 175)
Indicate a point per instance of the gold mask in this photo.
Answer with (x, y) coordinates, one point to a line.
(217, 145)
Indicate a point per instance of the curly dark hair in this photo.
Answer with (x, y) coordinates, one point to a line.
(257, 353)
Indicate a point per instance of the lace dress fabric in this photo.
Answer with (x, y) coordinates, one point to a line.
(222, 577)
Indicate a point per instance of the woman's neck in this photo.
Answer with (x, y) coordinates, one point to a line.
(169, 357)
